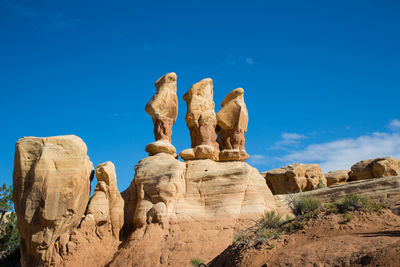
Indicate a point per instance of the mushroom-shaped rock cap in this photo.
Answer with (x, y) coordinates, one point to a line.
(169, 78)
(203, 88)
(232, 95)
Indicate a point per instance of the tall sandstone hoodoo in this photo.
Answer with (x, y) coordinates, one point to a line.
(51, 187)
(201, 121)
(232, 122)
(163, 109)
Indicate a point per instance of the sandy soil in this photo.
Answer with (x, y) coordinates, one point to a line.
(369, 239)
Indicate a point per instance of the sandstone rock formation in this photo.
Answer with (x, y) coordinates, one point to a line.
(201, 121)
(179, 212)
(232, 122)
(51, 187)
(107, 205)
(163, 108)
(375, 168)
(295, 178)
(337, 177)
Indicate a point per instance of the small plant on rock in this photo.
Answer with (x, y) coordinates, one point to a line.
(353, 202)
(271, 220)
(197, 262)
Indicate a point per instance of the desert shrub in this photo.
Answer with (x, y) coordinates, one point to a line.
(321, 184)
(378, 205)
(331, 208)
(348, 217)
(197, 262)
(353, 202)
(240, 237)
(270, 220)
(305, 205)
(294, 225)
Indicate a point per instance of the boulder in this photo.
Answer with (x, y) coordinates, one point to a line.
(232, 122)
(51, 187)
(375, 168)
(295, 178)
(189, 209)
(201, 121)
(163, 109)
(337, 177)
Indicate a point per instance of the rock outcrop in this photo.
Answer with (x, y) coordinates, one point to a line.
(232, 122)
(201, 121)
(163, 109)
(51, 187)
(107, 205)
(189, 209)
(337, 177)
(295, 178)
(375, 168)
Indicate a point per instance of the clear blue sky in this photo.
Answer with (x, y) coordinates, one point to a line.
(321, 78)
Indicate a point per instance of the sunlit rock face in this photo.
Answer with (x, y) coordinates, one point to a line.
(51, 187)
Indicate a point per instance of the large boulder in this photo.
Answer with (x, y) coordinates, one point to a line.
(337, 177)
(295, 178)
(184, 210)
(51, 187)
(375, 168)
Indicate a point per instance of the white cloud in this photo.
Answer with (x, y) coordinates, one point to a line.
(394, 124)
(257, 159)
(250, 61)
(289, 139)
(342, 154)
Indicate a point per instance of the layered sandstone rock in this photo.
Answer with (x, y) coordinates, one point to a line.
(51, 187)
(97, 238)
(163, 108)
(337, 177)
(375, 168)
(295, 178)
(201, 121)
(189, 209)
(107, 205)
(232, 122)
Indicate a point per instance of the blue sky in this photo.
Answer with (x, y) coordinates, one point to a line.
(321, 78)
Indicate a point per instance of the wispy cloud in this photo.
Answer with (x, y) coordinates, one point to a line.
(341, 154)
(289, 140)
(18, 8)
(394, 124)
(257, 159)
(42, 19)
(250, 61)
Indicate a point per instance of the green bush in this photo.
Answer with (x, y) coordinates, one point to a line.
(306, 205)
(353, 202)
(239, 237)
(9, 237)
(331, 208)
(270, 220)
(348, 217)
(293, 226)
(196, 262)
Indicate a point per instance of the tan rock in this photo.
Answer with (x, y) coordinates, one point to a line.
(375, 168)
(107, 205)
(51, 187)
(337, 177)
(163, 108)
(160, 146)
(190, 209)
(295, 178)
(232, 122)
(200, 116)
